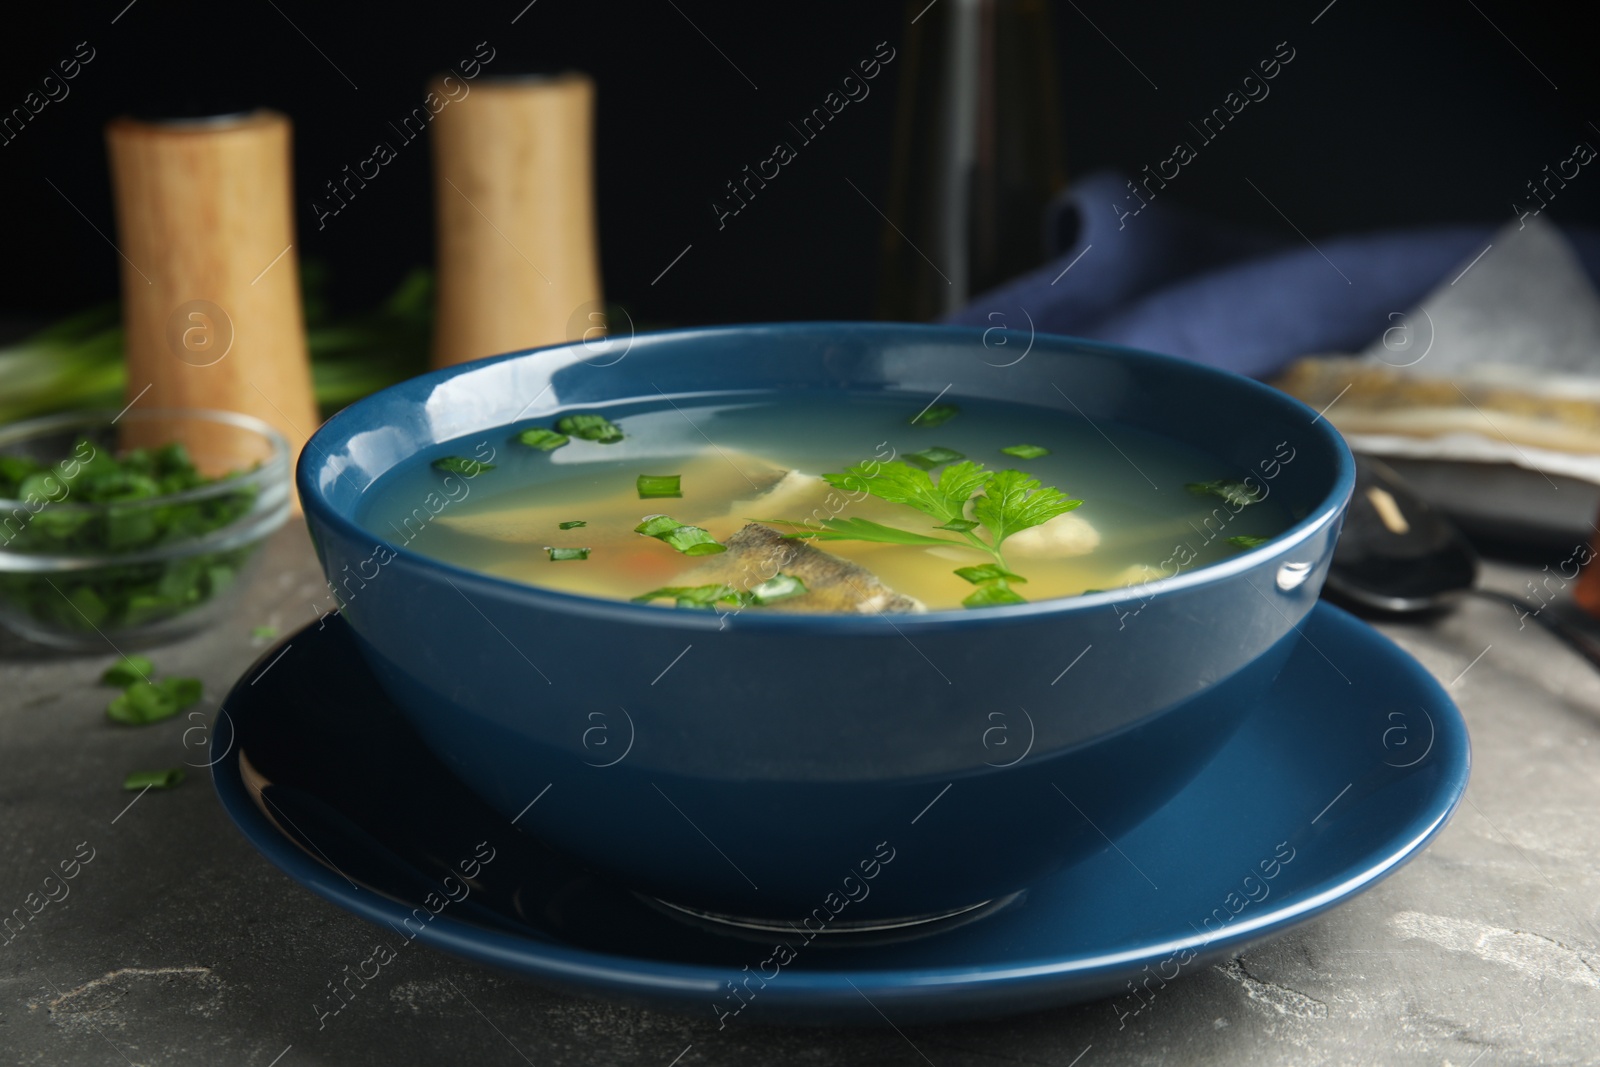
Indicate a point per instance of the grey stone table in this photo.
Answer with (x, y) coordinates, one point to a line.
(178, 944)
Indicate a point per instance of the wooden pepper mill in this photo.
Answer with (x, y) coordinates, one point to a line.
(514, 196)
(210, 279)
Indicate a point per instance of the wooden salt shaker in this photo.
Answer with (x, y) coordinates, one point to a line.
(210, 279)
(514, 195)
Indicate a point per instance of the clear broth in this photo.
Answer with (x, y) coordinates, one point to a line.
(1132, 484)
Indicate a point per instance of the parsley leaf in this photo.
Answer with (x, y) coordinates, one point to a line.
(1025, 451)
(595, 428)
(690, 540)
(469, 468)
(1234, 492)
(659, 485)
(577, 523)
(142, 780)
(1247, 541)
(935, 415)
(900, 483)
(542, 439)
(1012, 501)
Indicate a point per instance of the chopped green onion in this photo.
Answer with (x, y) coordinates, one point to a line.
(542, 439)
(127, 670)
(1026, 451)
(657, 485)
(559, 554)
(1247, 541)
(935, 415)
(141, 703)
(142, 780)
(146, 702)
(137, 514)
(690, 596)
(690, 540)
(930, 458)
(591, 428)
(988, 572)
(181, 691)
(469, 468)
(1234, 492)
(993, 594)
(779, 587)
(575, 524)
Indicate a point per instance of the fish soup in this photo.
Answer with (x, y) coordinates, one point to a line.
(825, 502)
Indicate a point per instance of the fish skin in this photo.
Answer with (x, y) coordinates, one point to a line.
(758, 552)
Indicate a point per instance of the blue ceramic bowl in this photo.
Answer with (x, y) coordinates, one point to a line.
(789, 766)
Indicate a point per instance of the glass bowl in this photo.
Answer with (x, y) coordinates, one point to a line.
(172, 529)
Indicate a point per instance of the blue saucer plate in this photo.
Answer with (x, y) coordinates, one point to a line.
(1354, 760)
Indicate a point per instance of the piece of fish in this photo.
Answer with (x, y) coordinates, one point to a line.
(757, 553)
(520, 521)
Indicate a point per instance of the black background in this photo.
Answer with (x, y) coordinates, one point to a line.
(1392, 114)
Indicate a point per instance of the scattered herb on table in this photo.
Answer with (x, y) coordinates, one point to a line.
(468, 468)
(659, 485)
(936, 456)
(542, 439)
(263, 633)
(142, 780)
(147, 702)
(1025, 451)
(690, 540)
(1247, 541)
(1002, 502)
(595, 428)
(574, 525)
(935, 415)
(1228, 489)
(142, 700)
(559, 554)
(127, 670)
(95, 504)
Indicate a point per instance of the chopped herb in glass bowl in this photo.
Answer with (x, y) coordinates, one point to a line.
(132, 529)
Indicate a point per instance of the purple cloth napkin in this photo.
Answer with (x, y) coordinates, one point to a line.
(1166, 280)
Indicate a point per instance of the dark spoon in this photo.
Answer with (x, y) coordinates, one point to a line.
(1399, 555)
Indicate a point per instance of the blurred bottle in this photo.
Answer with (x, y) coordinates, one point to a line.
(210, 278)
(514, 197)
(977, 154)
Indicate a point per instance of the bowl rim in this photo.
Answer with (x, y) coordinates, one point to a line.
(318, 506)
